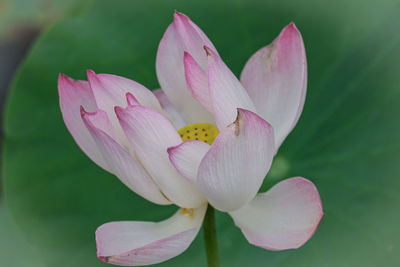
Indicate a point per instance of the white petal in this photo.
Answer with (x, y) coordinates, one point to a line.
(276, 79)
(232, 171)
(151, 134)
(182, 35)
(187, 156)
(144, 243)
(119, 161)
(285, 217)
(73, 95)
(226, 92)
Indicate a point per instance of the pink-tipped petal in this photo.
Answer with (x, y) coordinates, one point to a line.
(192, 37)
(196, 79)
(151, 134)
(119, 161)
(73, 95)
(143, 243)
(187, 156)
(110, 91)
(169, 109)
(232, 171)
(226, 92)
(285, 217)
(181, 35)
(276, 79)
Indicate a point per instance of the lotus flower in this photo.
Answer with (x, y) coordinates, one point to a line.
(205, 137)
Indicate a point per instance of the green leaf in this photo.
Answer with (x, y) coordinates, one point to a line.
(12, 244)
(347, 140)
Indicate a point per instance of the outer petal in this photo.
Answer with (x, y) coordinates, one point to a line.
(226, 92)
(276, 79)
(119, 161)
(73, 95)
(187, 156)
(232, 171)
(145, 243)
(169, 109)
(110, 91)
(285, 217)
(197, 82)
(182, 35)
(151, 134)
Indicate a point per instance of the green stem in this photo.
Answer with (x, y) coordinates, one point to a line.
(210, 238)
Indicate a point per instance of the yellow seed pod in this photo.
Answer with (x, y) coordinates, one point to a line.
(205, 132)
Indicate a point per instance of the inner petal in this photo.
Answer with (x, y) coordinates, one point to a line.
(205, 132)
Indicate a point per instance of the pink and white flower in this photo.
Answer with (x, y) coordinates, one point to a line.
(134, 133)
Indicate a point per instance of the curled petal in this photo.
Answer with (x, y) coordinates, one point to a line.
(73, 95)
(226, 92)
(187, 156)
(182, 35)
(151, 134)
(276, 79)
(284, 217)
(119, 161)
(145, 243)
(232, 171)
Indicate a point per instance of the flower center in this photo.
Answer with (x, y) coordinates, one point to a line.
(205, 132)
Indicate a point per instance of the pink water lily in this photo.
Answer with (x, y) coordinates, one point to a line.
(204, 137)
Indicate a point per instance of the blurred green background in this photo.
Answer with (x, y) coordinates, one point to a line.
(347, 140)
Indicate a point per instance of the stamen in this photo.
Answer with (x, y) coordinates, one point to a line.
(184, 211)
(205, 132)
(191, 213)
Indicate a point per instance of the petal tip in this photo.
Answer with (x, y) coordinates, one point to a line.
(131, 99)
(90, 73)
(187, 59)
(291, 25)
(208, 50)
(82, 110)
(64, 79)
(104, 258)
(236, 124)
(241, 112)
(88, 116)
(289, 30)
(170, 150)
(118, 111)
(92, 77)
(179, 17)
(62, 76)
